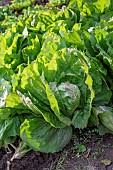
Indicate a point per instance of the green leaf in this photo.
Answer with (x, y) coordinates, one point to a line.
(40, 136)
(104, 96)
(103, 130)
(68, 97)
(33, 47)
(32, 81)
(80, 118)
(94, 120)
(6, 112)
(74, 38)
(106, 116)
(101, 5)
(54, 106)
(10, 127)
(13, 101)
(57, 2)
(39, 108)
(2, 49)
(19, 5)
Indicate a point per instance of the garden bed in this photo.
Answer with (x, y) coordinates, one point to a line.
(98, 156)
(88, 151)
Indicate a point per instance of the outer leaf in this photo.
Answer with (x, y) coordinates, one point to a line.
(81, 117)
(106, 117)
(94, 119)
(40, 136)
(10, 127)
(36, 108)
(32, 81)
(103, 130)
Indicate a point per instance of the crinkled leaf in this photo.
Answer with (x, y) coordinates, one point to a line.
(67, 95)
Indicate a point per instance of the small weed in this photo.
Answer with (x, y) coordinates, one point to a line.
(60, 162)
(98, 153)
(80, 149)
(95, 155)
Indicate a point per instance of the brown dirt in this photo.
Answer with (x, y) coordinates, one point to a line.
(100, 157)
(4, 2)
(101, 151)
(39, 2)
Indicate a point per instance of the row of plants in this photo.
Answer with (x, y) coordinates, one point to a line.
(56, 72)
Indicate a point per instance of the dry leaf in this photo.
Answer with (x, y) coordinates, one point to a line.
(106, 162)
(86, 154)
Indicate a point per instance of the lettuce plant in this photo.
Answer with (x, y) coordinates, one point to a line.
(56, 74)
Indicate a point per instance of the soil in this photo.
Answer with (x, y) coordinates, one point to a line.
(98, 154)
(4, 2)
